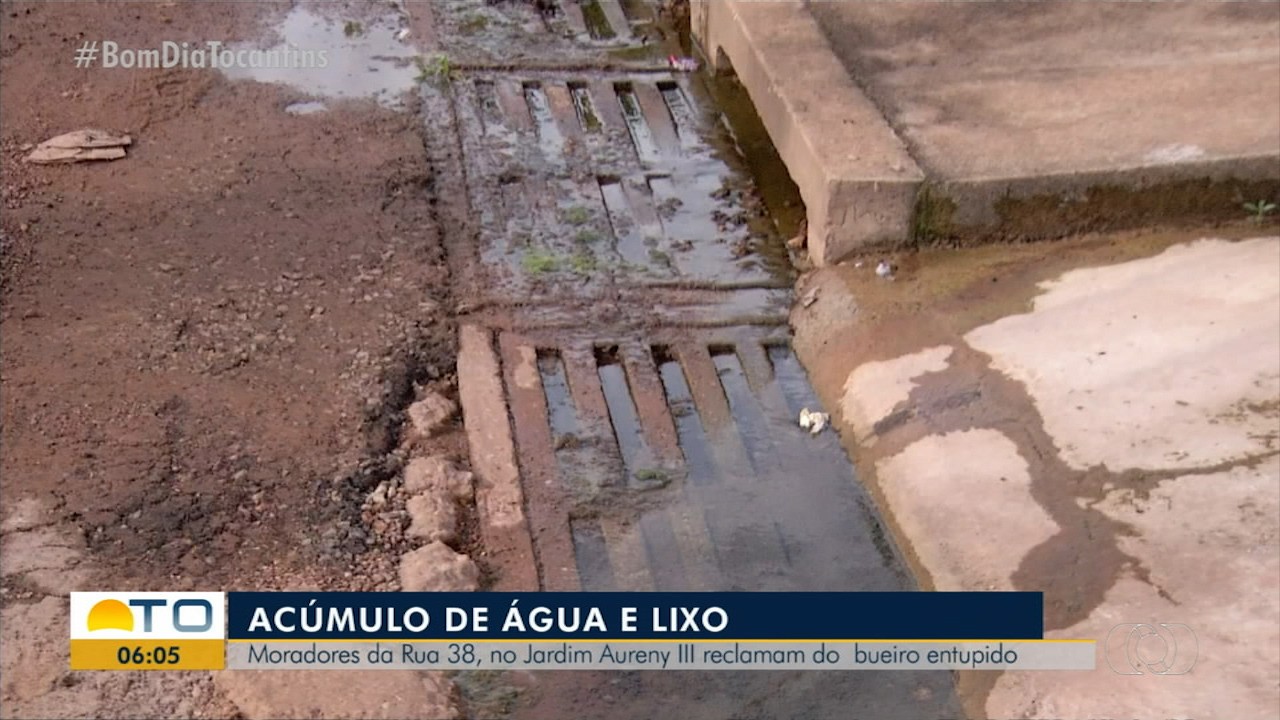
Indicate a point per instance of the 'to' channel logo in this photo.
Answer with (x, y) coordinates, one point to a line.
(148, 630)
(1152, 649)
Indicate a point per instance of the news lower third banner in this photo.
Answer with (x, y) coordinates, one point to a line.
(569, 631)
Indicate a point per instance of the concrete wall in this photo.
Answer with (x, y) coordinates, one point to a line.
(856, 177)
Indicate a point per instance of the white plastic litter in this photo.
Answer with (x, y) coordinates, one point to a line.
(884, 270)
(814, 422)
(682, 64)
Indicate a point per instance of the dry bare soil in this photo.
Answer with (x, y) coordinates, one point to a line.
(207, 345)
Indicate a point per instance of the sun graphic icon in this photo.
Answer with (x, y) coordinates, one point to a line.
(110, 615)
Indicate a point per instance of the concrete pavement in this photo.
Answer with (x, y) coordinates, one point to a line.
(915, 123)
(1102, 425)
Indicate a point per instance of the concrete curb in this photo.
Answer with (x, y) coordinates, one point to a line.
(858, 181)
(499, 497)
(1108, 198)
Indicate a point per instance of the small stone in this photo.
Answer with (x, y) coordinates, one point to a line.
(378, 497)
(435, 474)
(433, 517)
(430, 413)
(438, 568)
(809, 298)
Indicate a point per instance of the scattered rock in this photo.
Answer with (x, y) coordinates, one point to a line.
(435, 474)
(23, 514)
(434, 517)
(438, 568)
(378, 497)
(809, 298)
(801, 238)
(79, 146)
(430, 413)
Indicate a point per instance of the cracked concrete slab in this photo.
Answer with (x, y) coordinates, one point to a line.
(1140, 351)
(921, 485)
(1104, 429)
(874, 389)
(1210, 544)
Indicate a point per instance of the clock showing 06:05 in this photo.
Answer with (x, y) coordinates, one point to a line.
(148, 631)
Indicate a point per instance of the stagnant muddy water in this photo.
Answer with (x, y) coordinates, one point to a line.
(618, 229)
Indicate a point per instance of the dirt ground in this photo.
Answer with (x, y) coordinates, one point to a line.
(207, 345)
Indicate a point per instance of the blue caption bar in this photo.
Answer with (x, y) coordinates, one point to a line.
(674, 616)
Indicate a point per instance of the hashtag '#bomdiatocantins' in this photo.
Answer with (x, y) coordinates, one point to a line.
(87, 54)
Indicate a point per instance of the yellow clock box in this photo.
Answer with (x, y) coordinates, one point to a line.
(148, 631)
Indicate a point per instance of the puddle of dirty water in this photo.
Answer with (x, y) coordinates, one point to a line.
(669, 199)
(587, 469)
(745, 132)
(693, 440)
(597, 23)
(347, 59)
(637, 459)
(485, 31)
(592, 555)
(584, 106)
(559, 405)
(549, 136)
(758, 502)
(783, 511)
(641, 136)
(792, 380)
(753, 428)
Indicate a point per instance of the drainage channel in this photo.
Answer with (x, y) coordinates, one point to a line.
(674, 463)
(670, 460)
(587, 181)
(632, 292)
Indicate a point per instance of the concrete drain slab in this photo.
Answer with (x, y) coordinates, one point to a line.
(584, 183)
(566, 30)
(674, 462)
